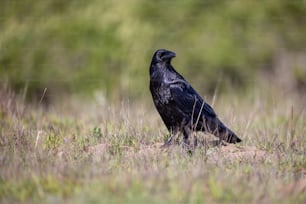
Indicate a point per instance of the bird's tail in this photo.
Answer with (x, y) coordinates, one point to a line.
(223, 132)
(230, 137)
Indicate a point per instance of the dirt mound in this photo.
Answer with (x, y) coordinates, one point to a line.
(235, 152)
(214, 154)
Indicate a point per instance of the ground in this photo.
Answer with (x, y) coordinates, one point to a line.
(79, 151)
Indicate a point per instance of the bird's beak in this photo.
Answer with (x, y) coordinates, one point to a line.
(169, 55)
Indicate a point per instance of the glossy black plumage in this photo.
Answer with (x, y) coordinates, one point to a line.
(181, 108)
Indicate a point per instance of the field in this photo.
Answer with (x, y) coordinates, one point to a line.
(78, 125)
(78, 151)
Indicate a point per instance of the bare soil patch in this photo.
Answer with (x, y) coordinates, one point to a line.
(228, 152)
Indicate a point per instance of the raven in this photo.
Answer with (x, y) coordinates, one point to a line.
(181, 108)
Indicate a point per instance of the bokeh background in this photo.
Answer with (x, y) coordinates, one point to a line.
(77, 121)
(82, 47)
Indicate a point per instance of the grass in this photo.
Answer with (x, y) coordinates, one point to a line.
(78, 151)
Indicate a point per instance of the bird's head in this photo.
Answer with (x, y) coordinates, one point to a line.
(162, 55)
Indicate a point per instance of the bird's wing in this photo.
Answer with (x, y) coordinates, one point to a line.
(187, 99)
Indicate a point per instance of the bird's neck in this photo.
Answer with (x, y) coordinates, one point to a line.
(160, 66)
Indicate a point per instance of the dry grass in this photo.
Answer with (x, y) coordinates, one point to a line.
(96, 152)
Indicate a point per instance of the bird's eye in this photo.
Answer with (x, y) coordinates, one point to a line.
(162, 54)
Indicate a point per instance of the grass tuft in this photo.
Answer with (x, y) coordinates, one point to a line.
(88, 152)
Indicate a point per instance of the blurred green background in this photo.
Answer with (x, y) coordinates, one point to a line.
(79, 47)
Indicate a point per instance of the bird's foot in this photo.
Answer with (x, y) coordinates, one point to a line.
(222, 143)
(188, 148)
(168, 142)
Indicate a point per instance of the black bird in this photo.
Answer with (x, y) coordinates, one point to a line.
(181, 108)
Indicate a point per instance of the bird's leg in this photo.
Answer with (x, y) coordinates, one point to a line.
(186, 133)
(170, 138)
(195, 141)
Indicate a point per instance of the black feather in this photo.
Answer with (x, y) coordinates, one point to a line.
(181, 108)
